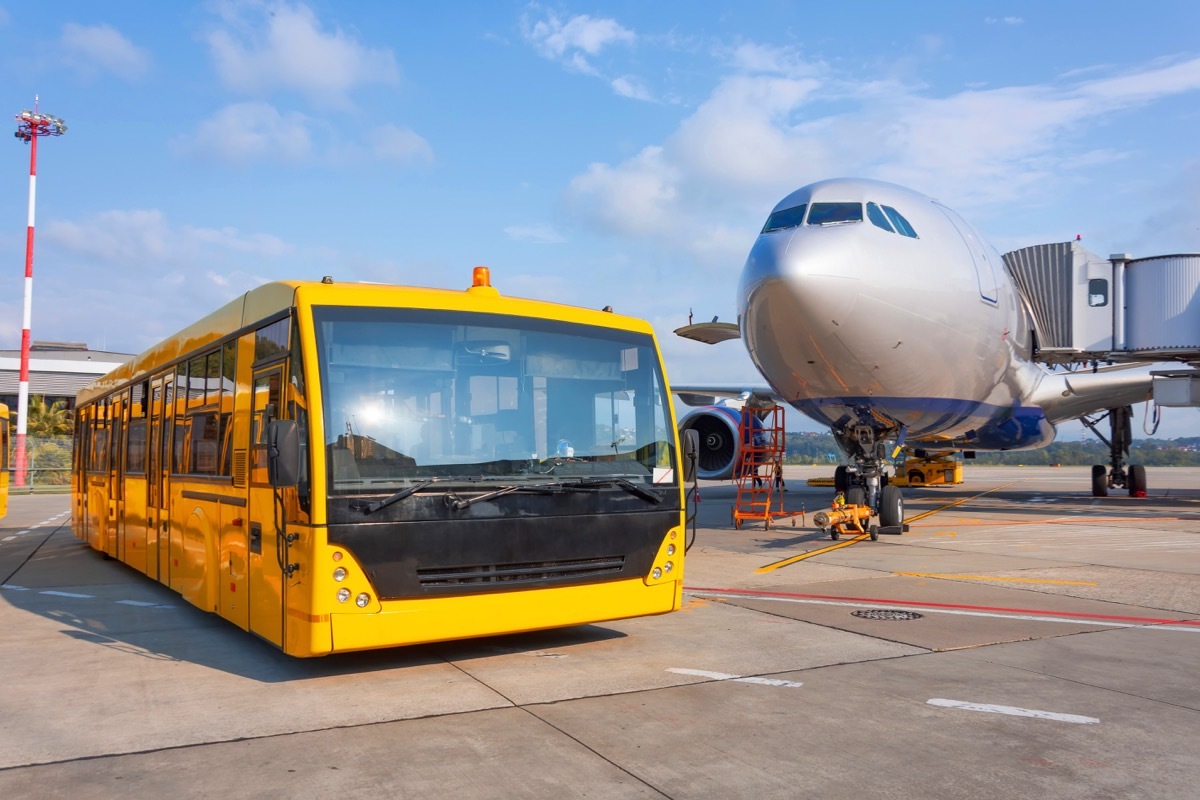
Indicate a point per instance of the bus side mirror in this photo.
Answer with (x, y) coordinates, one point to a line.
(283, 453)
(691, 454)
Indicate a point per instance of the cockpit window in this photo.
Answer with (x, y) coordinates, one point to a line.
(835, 213)
(784, 219)
(900, 222)
(875, 214)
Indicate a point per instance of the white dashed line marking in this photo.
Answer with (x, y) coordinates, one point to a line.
(69, 594)
(1014, 711)
(721, 676)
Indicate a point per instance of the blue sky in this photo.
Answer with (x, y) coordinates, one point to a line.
(618, 154)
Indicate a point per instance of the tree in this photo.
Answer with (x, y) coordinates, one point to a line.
(48, 420)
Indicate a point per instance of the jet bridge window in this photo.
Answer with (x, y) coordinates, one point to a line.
(834, 213)
(900, 222)
(785, 218)
(1097, 292)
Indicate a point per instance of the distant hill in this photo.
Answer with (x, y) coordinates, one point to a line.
(821, 448)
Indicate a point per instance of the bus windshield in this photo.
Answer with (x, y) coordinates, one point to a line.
(413, 395)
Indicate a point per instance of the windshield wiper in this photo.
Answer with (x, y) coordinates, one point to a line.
(408, 491)
(457, 502)
(454, 501)
(649, 495)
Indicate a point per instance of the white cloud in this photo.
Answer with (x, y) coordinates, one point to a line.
(394, 143)
(244, 133)
(761, 135)
(554, 38)
(576, 42)
(755, 58)
(636, 198)
(540, 233)
(144, 237)
(631, 87)
(109, 265)
(94, 48)
(284, 46)
(1004, 20)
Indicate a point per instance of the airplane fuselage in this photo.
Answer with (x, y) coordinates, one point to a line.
(877, 305)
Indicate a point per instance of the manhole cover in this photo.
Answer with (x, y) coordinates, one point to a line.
(885, 613)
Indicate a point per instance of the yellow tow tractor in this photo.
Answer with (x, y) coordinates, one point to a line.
(921, 468)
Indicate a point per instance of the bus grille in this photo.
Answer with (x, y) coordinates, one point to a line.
(535, 571)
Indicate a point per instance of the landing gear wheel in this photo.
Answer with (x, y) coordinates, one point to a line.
(1099, 481)
(891, 507)
(874, 533)
(1137, 481)
(840, 482)
(856, 496)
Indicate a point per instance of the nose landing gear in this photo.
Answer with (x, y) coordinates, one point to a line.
(865, 482)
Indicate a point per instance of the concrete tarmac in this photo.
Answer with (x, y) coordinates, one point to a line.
(1022, 640)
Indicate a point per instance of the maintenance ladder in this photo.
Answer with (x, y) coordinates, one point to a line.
(761, 433)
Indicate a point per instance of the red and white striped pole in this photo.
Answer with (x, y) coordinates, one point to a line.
(30, 125)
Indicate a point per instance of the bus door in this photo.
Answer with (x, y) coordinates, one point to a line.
(265, 513)
(158, 465)
(3, 459)
(98, 515)
(116, 478)
(131, 513)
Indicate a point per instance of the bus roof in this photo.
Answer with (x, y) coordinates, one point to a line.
(251, 310)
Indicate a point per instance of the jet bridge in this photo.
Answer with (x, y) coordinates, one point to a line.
(1088, 310)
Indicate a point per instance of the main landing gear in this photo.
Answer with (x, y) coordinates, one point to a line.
(865, 482)
(1116, 476)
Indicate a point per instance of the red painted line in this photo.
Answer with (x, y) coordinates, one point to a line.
(957, 606)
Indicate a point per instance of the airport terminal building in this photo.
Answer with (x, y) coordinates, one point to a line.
(57, 370)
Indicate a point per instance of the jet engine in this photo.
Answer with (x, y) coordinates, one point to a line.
(720, 439)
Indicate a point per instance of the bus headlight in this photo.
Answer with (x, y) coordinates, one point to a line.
(667, 567)
(362, 600)
(343, 594)
(657, 573)
(339, 574)
(670, 549)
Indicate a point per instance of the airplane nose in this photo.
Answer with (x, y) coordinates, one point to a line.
(798, 300)
(815, 278)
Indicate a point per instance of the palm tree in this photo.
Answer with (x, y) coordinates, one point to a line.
(48, 420)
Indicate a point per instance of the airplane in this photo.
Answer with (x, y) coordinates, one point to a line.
(883, 314)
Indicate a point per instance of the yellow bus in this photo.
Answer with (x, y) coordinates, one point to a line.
(4, 456)
(342, 466)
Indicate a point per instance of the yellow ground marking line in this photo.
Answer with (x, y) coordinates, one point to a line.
(802, 556)
(993, 578)
(859, 538)
(931, 512)
(1062, 521)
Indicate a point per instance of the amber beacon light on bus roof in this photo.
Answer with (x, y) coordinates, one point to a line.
(30, 126)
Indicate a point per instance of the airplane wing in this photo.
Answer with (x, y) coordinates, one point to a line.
(1070, 395)
(750, 396)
